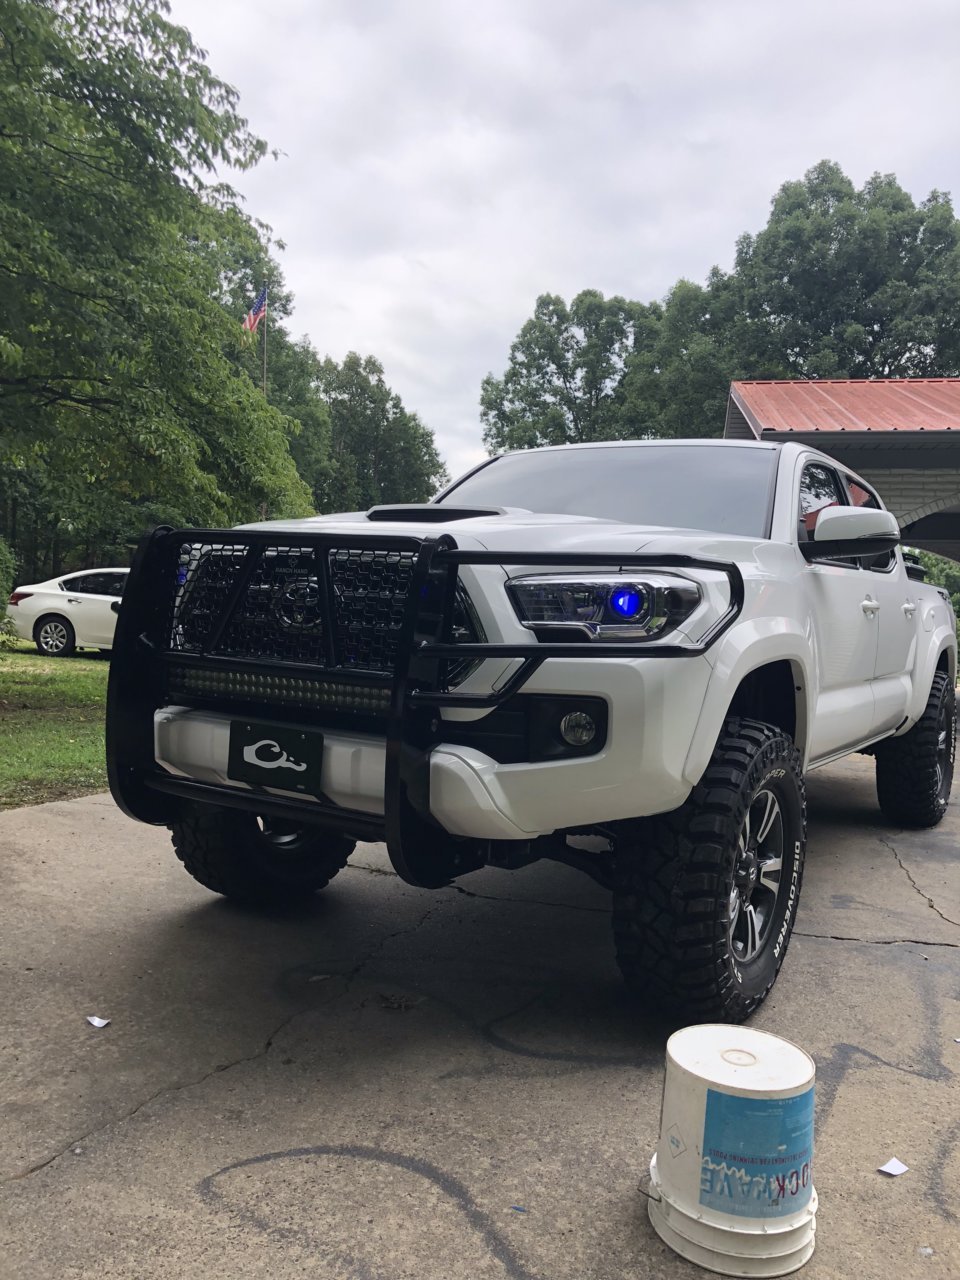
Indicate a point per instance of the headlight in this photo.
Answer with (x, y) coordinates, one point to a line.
(605, 606)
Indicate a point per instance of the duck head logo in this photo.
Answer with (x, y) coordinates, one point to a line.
(268, 754)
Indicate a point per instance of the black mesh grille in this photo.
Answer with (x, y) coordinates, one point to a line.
(279, 616)
(206, 575)
(290, 598)
(370, 594)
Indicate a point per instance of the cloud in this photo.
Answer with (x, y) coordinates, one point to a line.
(445, 162)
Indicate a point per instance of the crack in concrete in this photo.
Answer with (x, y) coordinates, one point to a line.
(925, 896)
(389, 937)
(371, 871)
(533, 902)
(490, 897)
(876, 942)
(219, 1069)
(223, 1066)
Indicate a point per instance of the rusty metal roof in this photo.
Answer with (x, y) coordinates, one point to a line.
(857, 405)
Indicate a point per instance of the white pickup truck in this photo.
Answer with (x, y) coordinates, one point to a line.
(622, 656)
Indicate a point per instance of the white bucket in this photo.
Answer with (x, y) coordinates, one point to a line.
(732, 1179)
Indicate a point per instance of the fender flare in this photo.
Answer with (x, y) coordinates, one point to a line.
(942, 639)
(743, 649)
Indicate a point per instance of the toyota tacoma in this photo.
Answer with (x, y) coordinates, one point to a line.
(623, 656)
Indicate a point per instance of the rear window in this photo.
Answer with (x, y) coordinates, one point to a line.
(722, 488)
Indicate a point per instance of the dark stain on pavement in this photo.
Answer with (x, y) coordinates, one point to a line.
(446, 1183)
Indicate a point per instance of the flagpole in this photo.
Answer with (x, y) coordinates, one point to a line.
(265, 310)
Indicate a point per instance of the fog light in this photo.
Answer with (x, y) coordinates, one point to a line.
(578, 729)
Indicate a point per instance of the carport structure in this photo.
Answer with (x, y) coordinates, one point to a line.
(901, 434)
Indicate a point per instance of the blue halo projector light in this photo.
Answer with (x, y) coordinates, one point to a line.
(626, 602)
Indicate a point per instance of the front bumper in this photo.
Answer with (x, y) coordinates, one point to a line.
(403, 781)
(638, 771)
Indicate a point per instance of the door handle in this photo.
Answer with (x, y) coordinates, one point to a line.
(869, 607)
(70, 600)
(909, 609)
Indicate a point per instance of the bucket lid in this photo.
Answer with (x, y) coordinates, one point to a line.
(739, 1058)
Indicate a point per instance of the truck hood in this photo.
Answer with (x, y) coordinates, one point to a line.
(514, 530)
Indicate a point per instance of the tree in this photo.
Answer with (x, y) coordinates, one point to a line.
(565, 369)
(379, 451)
(844, 283)
(120, 393)
(840, 283)
(676, 379)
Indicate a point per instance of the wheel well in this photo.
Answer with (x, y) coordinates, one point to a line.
(53, 616)
(943, 662)
(769, 694)
(46, 617)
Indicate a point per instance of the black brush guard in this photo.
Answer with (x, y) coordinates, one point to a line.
(421, 851)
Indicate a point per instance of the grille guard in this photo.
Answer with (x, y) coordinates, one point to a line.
(421, 852)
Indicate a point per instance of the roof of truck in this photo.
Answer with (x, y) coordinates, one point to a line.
(711, 442)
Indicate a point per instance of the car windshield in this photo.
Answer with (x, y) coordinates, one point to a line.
(723, 489)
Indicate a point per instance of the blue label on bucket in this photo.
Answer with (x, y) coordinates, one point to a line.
(757, 1157)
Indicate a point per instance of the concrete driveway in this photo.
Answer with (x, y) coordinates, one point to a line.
(403, 1084)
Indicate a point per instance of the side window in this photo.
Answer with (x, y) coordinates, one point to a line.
(115, 583)
(861, 496)
(819, 488)
(91, 584)
(80, 582)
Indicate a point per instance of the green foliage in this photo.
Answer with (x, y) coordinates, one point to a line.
(941, 572)
(53, 709)
(566, 366)
(840, 283)
(127, 397)
(8, 569)
(122, 389)
(379, 451)
(851, 284)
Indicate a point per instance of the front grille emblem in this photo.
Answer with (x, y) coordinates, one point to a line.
(298, 607)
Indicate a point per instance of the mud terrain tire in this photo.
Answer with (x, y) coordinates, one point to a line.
(915, 772)
(257, 861)
(705, 897)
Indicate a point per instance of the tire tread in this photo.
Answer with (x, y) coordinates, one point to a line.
(906, 766)
(669, 905)
(210, 843)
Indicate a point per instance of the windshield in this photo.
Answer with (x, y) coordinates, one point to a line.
(723, 489)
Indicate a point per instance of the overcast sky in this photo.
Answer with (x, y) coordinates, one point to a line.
(447, 161)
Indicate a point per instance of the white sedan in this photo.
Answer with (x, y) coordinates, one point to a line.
(68, 613)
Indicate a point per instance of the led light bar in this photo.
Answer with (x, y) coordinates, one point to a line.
(292, 691)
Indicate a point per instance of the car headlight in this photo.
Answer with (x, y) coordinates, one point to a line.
(604, 606)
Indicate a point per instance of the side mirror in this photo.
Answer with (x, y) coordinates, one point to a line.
(843, 533)
(115, 606)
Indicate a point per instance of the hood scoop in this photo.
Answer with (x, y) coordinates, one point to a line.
(430, 513)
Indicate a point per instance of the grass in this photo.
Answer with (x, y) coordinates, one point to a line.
(51, 726)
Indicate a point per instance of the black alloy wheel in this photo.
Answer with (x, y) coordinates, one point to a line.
(705, 897)
(756, 876)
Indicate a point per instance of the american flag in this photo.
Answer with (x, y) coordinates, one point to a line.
(256, 313)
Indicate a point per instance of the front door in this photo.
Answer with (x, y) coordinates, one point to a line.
(843, 618)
